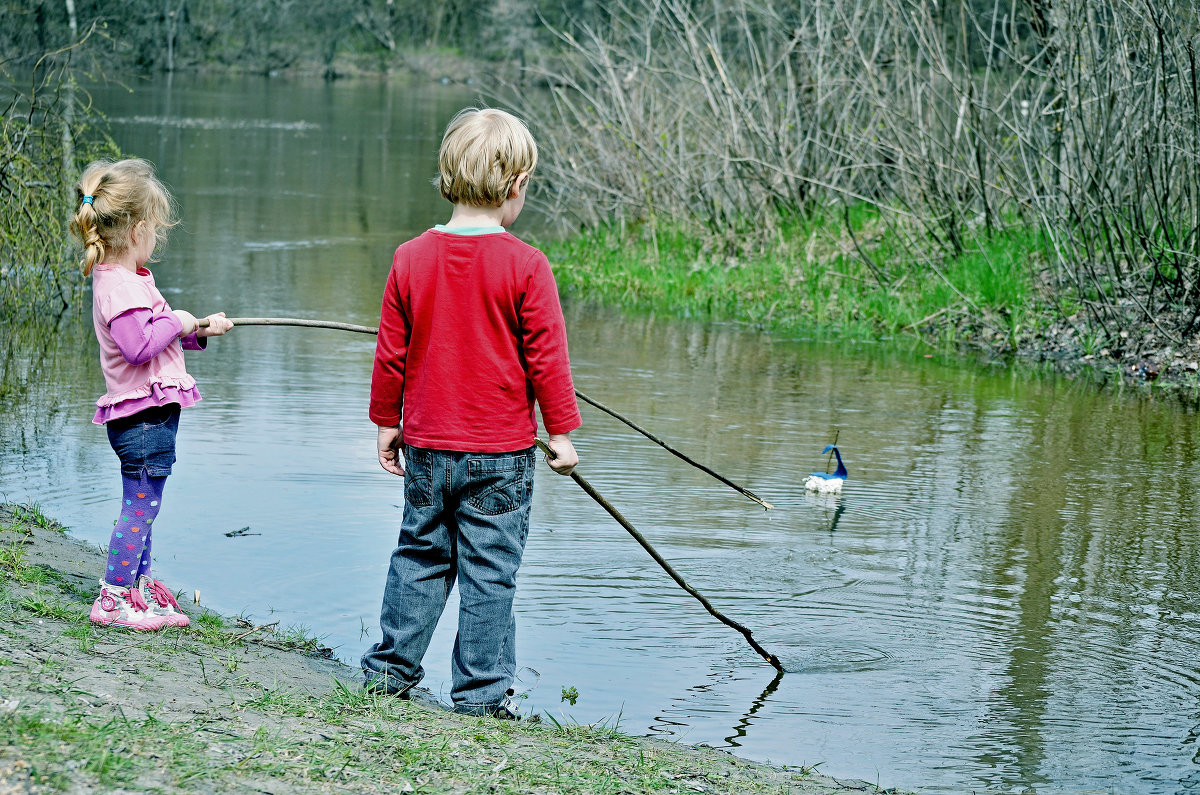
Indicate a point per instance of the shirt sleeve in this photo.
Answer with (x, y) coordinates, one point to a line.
(544, 338)
(123, 297)
(193, 341)
(141, 335)
(391, 351)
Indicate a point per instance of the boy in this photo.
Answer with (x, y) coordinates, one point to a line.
(471, 333)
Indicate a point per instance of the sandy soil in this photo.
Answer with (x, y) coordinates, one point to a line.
(238, 710)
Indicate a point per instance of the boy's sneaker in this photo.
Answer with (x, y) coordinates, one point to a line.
(124, 607)
(162, 602)
(509, 709)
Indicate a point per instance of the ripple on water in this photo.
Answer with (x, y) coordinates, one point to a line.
(833, 658)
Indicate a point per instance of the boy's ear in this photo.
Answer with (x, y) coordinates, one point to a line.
(521, 179)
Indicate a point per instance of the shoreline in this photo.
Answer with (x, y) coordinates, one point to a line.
(222, 707)
(1150, 365)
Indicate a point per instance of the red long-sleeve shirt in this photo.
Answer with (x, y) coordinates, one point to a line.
(471, 333)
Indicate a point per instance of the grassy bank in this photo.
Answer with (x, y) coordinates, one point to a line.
(223, 707)
(821, 276)
(854, 277)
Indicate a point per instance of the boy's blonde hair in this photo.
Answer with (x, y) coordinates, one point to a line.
(113, 198)
(483, 152)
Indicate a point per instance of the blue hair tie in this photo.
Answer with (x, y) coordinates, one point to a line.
(88, 199)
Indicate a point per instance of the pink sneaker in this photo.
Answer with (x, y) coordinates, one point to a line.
(162, 602)
(124, 607)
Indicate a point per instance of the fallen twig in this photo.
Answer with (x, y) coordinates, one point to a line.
(259, 628)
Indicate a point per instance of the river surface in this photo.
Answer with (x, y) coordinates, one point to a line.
(1004, 599)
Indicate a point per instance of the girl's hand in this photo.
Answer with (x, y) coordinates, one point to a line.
(190, 324)
(389, 450)
(217, 325)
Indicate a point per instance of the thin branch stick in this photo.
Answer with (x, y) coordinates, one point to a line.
(255, 629)
(292, 321)
(667, 567)
(289, 321)
(836, 433)
(672, 450)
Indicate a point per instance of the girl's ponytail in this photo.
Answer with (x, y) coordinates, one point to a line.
(113, 198)
(83, 224)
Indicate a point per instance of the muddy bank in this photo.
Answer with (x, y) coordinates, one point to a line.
(1148, 359)
(1143, 353)
(222, 706)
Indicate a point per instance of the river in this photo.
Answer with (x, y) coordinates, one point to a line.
(1004, 598)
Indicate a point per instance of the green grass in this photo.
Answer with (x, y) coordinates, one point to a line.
(363, 742)
(211, 629)
(39, 604)
(255, 737)
(12, 560)
(14, 563)
(817, 279)
(84, 635)
(63, 735)
(30, 515)
(298, 637)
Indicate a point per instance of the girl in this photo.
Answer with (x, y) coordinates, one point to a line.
(124, 212)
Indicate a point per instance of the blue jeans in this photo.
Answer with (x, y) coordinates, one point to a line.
(466, 517)
(145, 442)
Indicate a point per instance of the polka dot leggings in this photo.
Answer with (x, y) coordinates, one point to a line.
(129, 547)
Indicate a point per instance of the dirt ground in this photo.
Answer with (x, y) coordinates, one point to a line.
(220, 707)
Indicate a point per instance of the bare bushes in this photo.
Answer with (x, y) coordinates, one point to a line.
(695, 115)
(1117, 179)
(1080, 118)
(45, 137)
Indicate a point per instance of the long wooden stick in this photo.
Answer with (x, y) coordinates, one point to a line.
(290, 321)
(667, 567)
(293, 321)
(740, 489)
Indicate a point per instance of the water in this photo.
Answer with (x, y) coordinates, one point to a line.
(1004, 598)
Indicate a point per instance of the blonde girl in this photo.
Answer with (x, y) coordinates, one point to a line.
(123, 213)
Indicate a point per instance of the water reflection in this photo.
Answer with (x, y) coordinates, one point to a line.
(829, 506)
(747, 720)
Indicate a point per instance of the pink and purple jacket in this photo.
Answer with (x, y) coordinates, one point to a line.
(140, 353)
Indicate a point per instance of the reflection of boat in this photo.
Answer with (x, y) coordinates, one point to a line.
(828, 482)
(832, 504)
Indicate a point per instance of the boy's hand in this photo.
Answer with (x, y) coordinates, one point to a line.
(389, 450)
(214, 325)
(565, 458)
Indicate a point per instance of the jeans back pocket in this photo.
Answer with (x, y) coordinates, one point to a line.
(498, 484)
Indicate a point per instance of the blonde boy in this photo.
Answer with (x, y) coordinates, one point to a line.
(471, 335)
